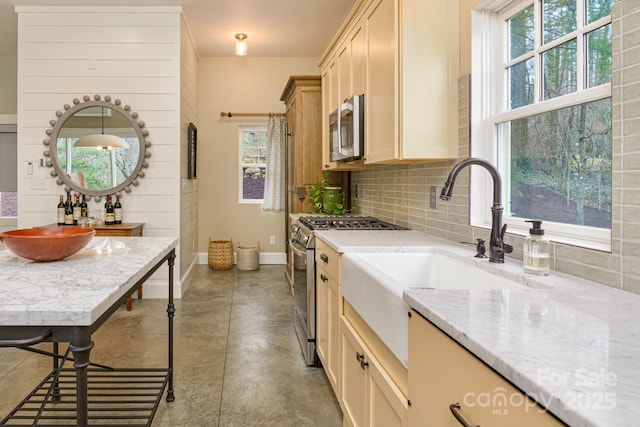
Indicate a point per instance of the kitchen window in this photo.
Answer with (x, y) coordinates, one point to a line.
(541, 73)
(253, 158)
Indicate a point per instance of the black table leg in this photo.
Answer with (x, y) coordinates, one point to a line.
(170, 313)
(81, 346)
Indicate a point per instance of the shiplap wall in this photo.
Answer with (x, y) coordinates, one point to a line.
(130, 53)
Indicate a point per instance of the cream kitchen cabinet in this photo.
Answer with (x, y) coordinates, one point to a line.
(343, 76)
(409, 62)
(443, 373)
(328, 310)
(370, 397)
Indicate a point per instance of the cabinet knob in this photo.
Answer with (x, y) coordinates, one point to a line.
(454, 408)
(323, 277)
(324, 258)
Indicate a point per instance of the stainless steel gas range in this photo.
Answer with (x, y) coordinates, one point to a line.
(302, 252)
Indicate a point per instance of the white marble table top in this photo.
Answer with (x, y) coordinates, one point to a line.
(574, 347)
(77, 290)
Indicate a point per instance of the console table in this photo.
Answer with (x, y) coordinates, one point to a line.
(39, 302)
(126, 229)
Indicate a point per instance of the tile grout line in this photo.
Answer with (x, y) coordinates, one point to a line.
(226, 349)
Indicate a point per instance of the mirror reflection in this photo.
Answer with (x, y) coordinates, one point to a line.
(88, 160)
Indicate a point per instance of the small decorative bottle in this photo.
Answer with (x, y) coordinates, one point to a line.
(536, 251)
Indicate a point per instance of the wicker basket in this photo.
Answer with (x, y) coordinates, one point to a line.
(220, 254)
(248, 257)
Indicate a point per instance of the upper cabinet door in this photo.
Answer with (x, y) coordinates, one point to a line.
(344, 73)
(380, 95)
(356, 44)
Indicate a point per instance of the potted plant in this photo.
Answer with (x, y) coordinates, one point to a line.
(325, 198)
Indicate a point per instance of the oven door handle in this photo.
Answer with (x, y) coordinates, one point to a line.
(297, 248)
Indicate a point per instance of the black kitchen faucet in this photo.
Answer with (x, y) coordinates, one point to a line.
(497, 246)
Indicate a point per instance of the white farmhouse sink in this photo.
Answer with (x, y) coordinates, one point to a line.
(373, 284)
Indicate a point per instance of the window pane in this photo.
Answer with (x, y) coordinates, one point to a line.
(560, 67)
(561, 165)
(252, 183)
(597, 9)
(599, 56)
(521, 33)
(252, 162)
(521, 91)
(558, 19)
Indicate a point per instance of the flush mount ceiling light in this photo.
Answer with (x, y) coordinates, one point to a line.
(241, 44)
(101, 141)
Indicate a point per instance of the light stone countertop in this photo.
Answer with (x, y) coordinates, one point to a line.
(574, 346)
(77, 290)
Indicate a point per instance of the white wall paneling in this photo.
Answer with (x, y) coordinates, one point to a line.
(129, 53)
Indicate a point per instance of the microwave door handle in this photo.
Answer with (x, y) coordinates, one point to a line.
(340, 130)
(346, 106)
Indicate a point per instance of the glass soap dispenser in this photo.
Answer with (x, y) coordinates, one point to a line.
(536, 251)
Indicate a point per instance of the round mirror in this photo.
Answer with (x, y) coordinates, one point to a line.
(97, 147)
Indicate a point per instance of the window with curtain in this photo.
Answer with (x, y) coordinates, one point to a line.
(544, 74)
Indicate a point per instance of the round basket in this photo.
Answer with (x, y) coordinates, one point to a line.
(220, 254)
(248, 257)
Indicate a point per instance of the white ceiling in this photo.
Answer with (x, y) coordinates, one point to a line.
(274, 27)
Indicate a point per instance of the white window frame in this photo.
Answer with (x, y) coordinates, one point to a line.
(489, 107)
(241, 129)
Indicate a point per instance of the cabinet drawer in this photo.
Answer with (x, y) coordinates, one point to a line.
(442, 373)
(328, 259)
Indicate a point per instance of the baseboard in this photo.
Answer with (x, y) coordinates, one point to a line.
(158, 289)
(265, 258)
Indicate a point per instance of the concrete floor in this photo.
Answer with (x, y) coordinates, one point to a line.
(237, 360)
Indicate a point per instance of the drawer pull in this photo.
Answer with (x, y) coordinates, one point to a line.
(324, 258)
(454, 408)
(323, 277)
(360, 358)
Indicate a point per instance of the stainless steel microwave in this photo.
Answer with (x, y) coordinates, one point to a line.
(346, 130)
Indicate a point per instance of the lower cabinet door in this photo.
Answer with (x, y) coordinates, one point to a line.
(369, 396)
(354, 378)
(387, 406)
(322, 332)
(333, 326)
(442, 373)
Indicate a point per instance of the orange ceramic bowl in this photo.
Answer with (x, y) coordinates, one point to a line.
(48, 243)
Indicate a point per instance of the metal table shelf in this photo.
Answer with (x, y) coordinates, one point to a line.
(122, 397)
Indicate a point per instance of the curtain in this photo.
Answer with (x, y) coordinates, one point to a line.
(274, 185)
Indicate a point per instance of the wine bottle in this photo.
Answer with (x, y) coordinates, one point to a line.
(84, 209)
(117, 210)
(68, 210)
(76, 210)
(109, 214)
(61, 210)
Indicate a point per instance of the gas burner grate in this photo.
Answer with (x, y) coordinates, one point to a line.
(347, 223)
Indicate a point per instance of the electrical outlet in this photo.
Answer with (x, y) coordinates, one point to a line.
(272, 240)
(433, 197)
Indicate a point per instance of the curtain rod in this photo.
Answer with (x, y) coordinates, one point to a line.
(230, 114)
